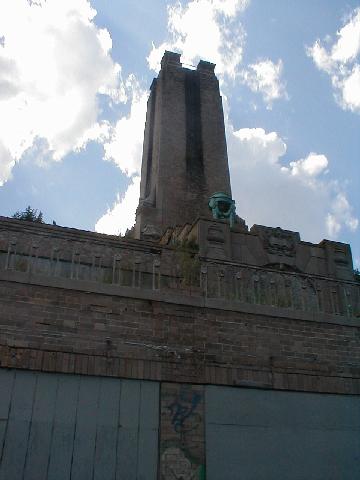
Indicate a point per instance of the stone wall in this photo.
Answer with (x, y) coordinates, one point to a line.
(68, 328)
(81, 303)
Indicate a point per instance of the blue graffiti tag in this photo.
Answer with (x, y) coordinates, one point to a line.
(183, 408)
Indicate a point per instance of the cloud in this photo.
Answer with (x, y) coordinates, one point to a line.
(257, 146)
(54, 61)
(357, 262)
(311, 166)
(211, 30)
(261, 182)
(350, 88)
(341, 214)
(265, 77)
(124, 146)
(340, 62)
(206, 29)
(121, 216)
(6, 164)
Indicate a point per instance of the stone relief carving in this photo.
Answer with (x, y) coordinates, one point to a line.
(151, 233)
(279, 242)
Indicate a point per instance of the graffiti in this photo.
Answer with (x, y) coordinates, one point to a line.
(183, 411)
(176, 466)
(182, 443)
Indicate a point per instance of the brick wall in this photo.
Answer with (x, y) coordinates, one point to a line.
(67, 330)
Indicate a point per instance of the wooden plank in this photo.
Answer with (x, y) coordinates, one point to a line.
(85, 431)
(37, 457)
(127, 448)
(107, 428)
(148, 431)
(17, 435)
(6, 385)
(62, 443)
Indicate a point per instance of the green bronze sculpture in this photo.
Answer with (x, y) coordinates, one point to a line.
(222, 207)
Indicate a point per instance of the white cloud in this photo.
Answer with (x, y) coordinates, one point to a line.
(342, 213)
(206, 29)
(340, 62)
(348, 45)
(350, 87)
(357, 262)
(122, 214)
(265, 77)
(124, 146)
(311, 166)
(258, 147)
(6, 164)
(332, 225)
(296, 196)
(54, 61)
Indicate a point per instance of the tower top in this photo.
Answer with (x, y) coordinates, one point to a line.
(170, 58)
(184, 154)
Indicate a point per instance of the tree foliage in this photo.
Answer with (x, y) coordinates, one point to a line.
(30, 215)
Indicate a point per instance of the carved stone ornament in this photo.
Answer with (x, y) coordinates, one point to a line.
(279, 242)
(151, 232)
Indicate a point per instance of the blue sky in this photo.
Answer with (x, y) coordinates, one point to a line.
(74, 78)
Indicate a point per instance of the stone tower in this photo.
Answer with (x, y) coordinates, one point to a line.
(184, 155)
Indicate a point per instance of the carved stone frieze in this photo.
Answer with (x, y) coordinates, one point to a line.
(277, 241)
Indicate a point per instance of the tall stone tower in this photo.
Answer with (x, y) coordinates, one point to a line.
(184, 155)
